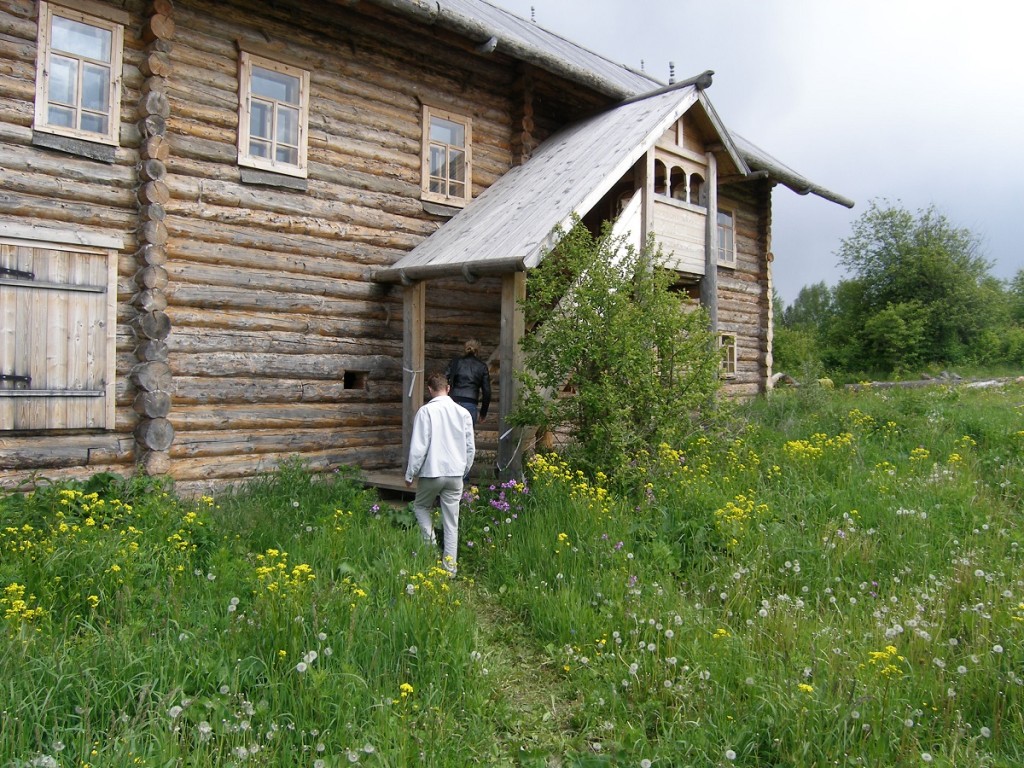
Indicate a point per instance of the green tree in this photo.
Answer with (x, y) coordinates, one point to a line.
(812, 309)
(921, 273)
(639, 359)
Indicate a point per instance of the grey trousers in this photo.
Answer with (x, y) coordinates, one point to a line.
(450, 491)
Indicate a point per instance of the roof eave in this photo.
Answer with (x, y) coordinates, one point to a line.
(491, 38)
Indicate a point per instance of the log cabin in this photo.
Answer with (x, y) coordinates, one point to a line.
(232, 232)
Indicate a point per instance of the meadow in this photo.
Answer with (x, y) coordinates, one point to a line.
(831, 578)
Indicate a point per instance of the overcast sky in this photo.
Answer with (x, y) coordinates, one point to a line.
(919, 102)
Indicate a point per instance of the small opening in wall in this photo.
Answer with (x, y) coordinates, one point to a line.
(355, 379)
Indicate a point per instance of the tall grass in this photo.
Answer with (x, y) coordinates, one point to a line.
(835, 580)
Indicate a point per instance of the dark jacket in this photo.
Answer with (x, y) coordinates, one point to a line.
(468, 378)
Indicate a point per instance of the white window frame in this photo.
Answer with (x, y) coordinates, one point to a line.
(246, 63)
(727, 345)
(428, 114)
(41, 122)
(726, 251)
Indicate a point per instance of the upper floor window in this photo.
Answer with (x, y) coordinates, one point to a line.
(273, 116)
(78, 75)
(726, 239)
(447, 157)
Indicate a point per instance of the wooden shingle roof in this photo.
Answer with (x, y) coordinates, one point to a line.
(511, 225)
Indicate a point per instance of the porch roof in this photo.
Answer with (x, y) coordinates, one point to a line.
(511, 225)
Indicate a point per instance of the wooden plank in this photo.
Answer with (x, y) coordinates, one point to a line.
(105, 352)
(414, 305)
(55, 372)
(78, 311)
(513, 326)
(8, 333)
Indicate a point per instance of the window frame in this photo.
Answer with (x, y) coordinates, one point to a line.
(731, 230)
(467, 124)
(727, 345)
(246, 62)
(42, 86)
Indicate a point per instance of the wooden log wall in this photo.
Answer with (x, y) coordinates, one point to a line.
(743, 307)
(279, 342)
(54, 189)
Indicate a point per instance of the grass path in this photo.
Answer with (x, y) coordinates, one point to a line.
(534, 713)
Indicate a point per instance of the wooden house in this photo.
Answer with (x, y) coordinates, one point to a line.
(235, 232)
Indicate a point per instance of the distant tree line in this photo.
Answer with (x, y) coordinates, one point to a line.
(919, 296)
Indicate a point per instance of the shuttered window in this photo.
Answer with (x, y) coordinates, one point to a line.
(57, 322)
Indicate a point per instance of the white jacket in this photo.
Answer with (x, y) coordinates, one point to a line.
(442, 440)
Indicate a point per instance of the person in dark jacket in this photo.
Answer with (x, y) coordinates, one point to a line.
(469, 379)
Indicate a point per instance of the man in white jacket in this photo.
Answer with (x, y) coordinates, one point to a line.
(440, 455)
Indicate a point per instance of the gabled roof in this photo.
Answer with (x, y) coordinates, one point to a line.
(511, 225)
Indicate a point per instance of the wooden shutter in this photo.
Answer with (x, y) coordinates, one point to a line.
(57, 323)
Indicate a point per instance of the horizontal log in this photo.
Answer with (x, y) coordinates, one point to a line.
(54, 188)
(199, 476)
(202, 319)
(290, 366)
(157, 64)
(196, 390)
(154, 192)
(284, 282)
(152, 212)
(152, 351)
(154, 434)
(158, 27)
(49, 451)
(151, 254)
(163, 7)
(155, 148)
(284, 416)
(152, 404)
(154, 232)
(153, 302)
(156, 463)
(152, 325)
(151, 277)
(200, 339)
(151, 377)
(152, 170)
(228, 297)
(68, 213)
(197, 444)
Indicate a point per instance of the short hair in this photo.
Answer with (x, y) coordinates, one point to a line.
(472, 347)
(436, 382)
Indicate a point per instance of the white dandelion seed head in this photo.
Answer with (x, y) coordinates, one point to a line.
(174, 711)
(301, 667)
(730, 754)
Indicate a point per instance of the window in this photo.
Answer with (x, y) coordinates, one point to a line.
(727, 345)
(78, 75)
(726, 239)
(273, 116)
(57, 330)
(447, 157)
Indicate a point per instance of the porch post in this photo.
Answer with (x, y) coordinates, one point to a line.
(414, 302)
(513, 326)
(646, 181)
(709, 283)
